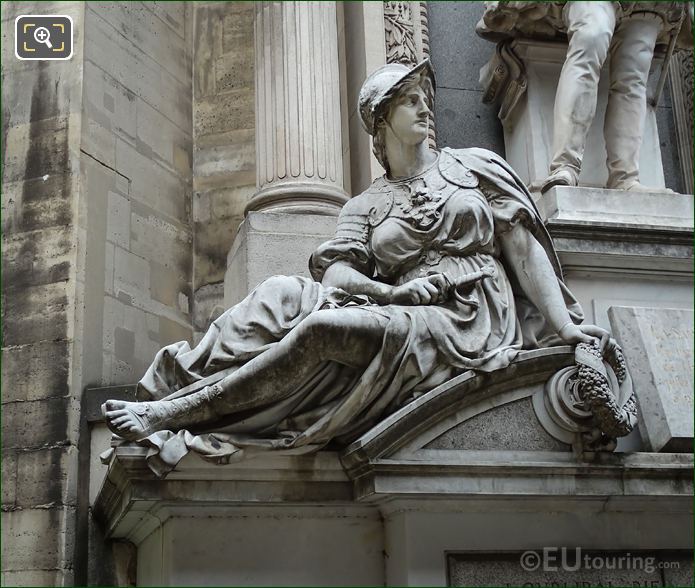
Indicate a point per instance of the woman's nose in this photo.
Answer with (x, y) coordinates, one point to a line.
(423, 108)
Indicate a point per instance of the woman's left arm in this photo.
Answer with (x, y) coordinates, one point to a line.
(537, 278)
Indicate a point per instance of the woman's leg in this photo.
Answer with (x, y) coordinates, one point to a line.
(350, 336)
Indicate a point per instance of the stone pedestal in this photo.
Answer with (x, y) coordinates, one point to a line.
(622, 248)
(464, 469)
(521, 79)
(299, 160)
(273, 243)
(658, 346)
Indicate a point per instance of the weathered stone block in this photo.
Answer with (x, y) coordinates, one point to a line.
(617, 208)
(512, 426)
(131, 338)
(36, 539)
(36, 258)
(148, 34)
(52, 95)
(38, 423)
(207, 45)
(108, 102)
(462, 121)
(151, 183)
(235, 153)
(30, 578)
(132, 277)
(162, 140)
(171, 331)
(35, 371)
(45, 476)
(37, 148)
(9, 478)
(273, 244)
(237, 28)
(136, 70)
(155, 236)
(38, 313)
(561, 568)
(172, 13)
(118, 220)
(234, 71)
(212, 242)
(231, 110)
(658, 347)
(36, 204)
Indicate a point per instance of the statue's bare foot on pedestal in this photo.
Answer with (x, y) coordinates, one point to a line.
(133, 420)
(136, 420)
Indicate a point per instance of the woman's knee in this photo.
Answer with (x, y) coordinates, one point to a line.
(328, 323)
(336, 331)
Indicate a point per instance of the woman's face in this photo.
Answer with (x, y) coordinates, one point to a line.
(409, 115)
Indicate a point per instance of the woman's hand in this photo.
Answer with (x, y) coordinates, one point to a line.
(573, 334)
(427, 290)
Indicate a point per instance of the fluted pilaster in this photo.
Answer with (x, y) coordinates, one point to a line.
(299, 162)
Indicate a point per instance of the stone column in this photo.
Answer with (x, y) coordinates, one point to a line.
(299, 164)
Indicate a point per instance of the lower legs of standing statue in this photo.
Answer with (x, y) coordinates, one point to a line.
(593, 35)
(349, 336)
(590, 27)
(632, 51)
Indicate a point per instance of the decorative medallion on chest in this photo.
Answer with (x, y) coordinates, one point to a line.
(419, 202)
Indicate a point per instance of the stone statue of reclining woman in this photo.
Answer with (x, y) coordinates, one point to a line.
(442, 265)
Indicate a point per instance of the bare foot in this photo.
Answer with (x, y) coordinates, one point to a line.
(132, 420)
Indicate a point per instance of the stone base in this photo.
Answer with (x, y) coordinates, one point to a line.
(292, 520)
(622, 248)
(602, 208)
(464, 469)
(270, 243)
(658, 346)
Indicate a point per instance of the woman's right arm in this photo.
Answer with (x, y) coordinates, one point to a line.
(418, 291)
(342, 275)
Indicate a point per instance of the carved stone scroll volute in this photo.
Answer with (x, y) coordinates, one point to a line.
(590, 404)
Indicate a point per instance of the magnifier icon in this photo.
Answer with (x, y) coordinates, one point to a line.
(41, 35)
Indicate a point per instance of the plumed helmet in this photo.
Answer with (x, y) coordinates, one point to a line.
(385, 83)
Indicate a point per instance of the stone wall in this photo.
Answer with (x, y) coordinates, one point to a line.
(136, 214)
(135, 226)
(224, 165)
(457, 54)
(41, 103)
(97, 252)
